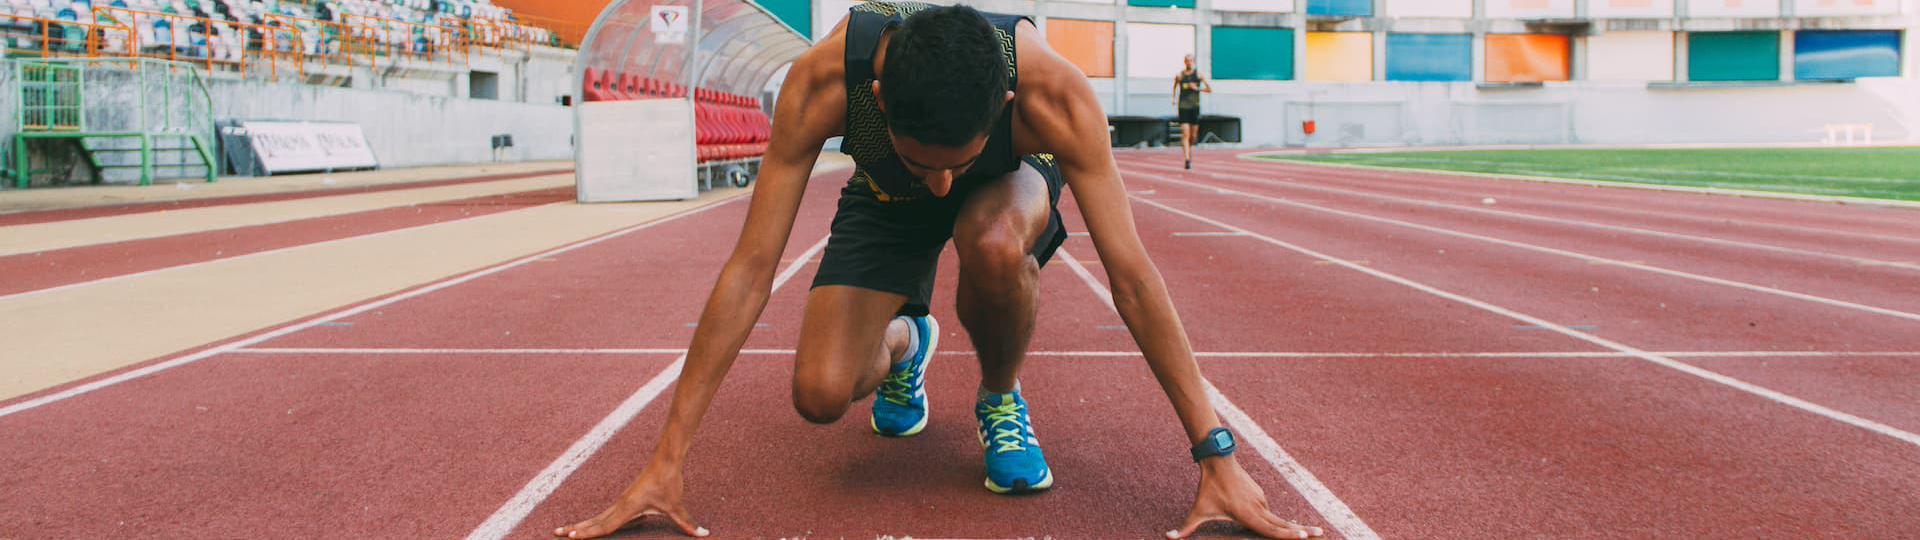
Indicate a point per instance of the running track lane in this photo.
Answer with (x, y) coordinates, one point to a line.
(1766, 218)
(67, 214)
(1642, 309)
(759, 471)
(1872, 279)
(1521, 447)
(291, 446)
(53, 268)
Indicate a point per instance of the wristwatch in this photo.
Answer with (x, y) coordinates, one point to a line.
(1218, 442)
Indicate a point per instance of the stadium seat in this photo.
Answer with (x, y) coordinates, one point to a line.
(591, 86)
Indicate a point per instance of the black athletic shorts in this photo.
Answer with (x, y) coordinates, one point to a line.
(1189, 115)
(895, 246)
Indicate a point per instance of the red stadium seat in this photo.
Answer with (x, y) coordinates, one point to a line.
(631, 84)
(611, 84)
(594, 87)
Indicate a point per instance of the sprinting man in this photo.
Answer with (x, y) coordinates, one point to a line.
(964, 126)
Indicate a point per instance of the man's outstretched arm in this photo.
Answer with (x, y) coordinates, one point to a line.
(810, 109)
(1061, 114)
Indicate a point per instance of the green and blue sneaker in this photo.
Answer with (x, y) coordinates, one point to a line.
(1015, 463)
(900, 404)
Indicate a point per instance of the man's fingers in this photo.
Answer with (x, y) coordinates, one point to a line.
(1287, 529)
(1194, 520)
(685, 522)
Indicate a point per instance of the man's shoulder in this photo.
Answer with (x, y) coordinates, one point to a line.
(1042, 70)
(825, 62)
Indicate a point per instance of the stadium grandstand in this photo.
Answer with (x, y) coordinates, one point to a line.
(126, 90)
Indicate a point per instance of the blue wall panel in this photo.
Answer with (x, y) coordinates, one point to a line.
(1161, 3)
(1362, 8)
(1429, 57)
(1846, 54)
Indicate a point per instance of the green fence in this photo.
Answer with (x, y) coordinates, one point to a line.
(121, 112)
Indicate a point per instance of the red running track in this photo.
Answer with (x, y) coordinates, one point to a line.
(66, 214)
(1429, 417)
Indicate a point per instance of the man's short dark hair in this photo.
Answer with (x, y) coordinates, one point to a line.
(945, 78)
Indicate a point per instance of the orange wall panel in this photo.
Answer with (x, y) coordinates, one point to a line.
(1088, 44)
(1527, 58)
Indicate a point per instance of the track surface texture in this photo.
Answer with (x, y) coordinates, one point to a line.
(1404, 355)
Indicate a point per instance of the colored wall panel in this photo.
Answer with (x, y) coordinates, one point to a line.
(1252, 53)
(1733, 8)
(1630, 56)
(1430, 8)
(1820, 8)
(1266, 6)
(1846, 54)
(1630, 8)
(1161, 3)
(796, 13)
(1361, 8)
(1339, 56)
(1733, 56)
(1429, 57)
(1158, 50)
(1530, 9)
(1088, 44)
(1513, 58)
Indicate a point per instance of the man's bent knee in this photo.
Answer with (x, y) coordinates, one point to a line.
(998, 255)
(821, 403)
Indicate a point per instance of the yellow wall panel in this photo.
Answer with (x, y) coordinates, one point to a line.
(1339, 56)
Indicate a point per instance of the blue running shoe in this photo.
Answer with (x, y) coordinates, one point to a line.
(1015, 463)
(900, 404)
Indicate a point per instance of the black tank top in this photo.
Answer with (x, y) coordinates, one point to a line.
(878, 169)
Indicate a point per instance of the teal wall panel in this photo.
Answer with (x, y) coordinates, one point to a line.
(1733, 56)
(796, 13)
(1252, 53)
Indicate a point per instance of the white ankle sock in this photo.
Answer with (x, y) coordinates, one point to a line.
(913, 343)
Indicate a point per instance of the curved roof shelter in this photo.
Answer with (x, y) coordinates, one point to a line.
(736, 45)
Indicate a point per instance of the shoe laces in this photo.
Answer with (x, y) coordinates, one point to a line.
(898, 387)
(1009, 439)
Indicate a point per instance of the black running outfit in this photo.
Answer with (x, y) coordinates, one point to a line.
(890, 229)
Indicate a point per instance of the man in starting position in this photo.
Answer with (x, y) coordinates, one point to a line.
(964, 126)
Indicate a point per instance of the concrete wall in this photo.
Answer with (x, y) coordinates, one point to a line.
(1438, 113)
(414, 114)
(408, 129)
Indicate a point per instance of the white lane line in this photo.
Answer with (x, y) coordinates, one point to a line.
(1323, 500)
(1801, 404)
(1207, 233)
(1544, 249)
(1563, 221)
(1130, 354)
(195, 357)
(549, 479)
(1365, 173)
(309, 350)
(192, 265)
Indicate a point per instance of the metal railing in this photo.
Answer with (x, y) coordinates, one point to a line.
(104, 99)
(278, 45)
